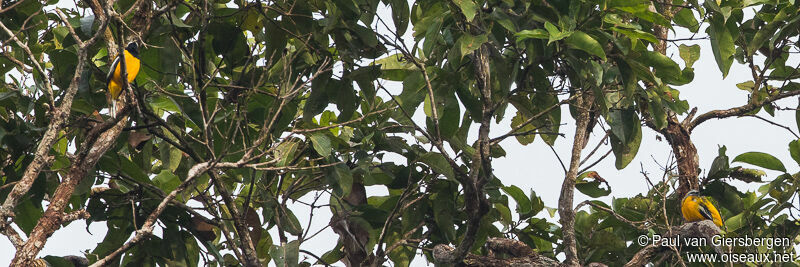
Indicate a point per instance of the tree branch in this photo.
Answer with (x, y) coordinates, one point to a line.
(97, 142)
(147, 228)
(738, 111)
(705, 229)
(565, 207)
(41, 158)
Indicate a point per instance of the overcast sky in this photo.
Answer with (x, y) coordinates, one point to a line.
(535, 166)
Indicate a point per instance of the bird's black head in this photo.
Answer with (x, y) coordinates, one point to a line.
(133, 48)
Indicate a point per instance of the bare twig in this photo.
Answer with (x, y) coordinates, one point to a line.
(776, 124)
(147, 228)
(638, 225)
(340, 124)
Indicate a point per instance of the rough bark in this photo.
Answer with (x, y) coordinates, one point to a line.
(42, 158)
(90, 152)
(352, 235)
(705, 229)
(566, 213)
(503, 252)
(248, 247)
(677, 134)
(98, 141)
(476, 204)
(685, 153)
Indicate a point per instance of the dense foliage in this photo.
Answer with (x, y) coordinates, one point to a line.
(244, 107)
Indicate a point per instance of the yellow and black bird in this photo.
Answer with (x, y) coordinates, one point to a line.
(697, 208)
(114, 77)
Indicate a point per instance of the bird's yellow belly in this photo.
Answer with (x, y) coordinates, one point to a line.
(132, 69)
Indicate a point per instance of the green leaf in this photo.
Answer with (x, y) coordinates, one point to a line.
(747, 86)
(760, 159)
(503, 19)
(523, 203)
(555, 33)
(721, 44)
(285, 153)
(289, 221)
(58, 262)
(532, 34)
(413, 94)
(28, 214)
(341, 177)
(797, 116)
(468, 43)
(626, 135)
(643, 12)
(133, 170)
(536, 204)
(167, 181)
(286, 255)
(529, 129)
(663, 66)
(583, 41)
(592, 188)
(618, 21)
(689, 54)
(794, 150)
(686, 18)
(332, 256)
(657, 112)
(468, 8)
(443, 209)
(734, 223)
(720, 166)
(321, 143)
(400, 15)
(625, 152)
(438, 163)
(174, 158)
(637, 34)
(450, 117)
(394, 67)
(318, 98)
(761, 37)
(505, 213)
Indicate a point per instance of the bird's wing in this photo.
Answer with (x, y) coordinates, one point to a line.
(703, 209)
(112, 69)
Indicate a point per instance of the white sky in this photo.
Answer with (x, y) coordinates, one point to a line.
(535, 167)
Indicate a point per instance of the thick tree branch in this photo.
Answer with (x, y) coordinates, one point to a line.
(97, 142)
(518, 254)
(705, 229)
(738, 111)
(565, 201)
(41, 158)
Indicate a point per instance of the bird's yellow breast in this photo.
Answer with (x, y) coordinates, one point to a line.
(132, 65)
(690, 209)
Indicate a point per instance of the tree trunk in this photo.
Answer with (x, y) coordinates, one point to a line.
(566, 212)
(685, 154)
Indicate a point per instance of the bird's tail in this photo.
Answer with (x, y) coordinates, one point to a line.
(113, 110)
